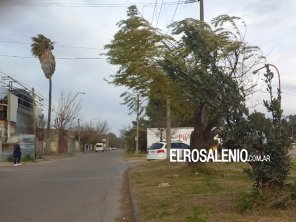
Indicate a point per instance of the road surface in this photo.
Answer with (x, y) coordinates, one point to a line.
(83, 188)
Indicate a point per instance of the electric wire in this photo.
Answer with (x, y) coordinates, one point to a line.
(60, 58)
(153, 11)
(159, 12)
(56, 45)
(175, 11)
(82, 5)
(5, 79)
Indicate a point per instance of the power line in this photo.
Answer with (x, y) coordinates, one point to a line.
(57, 45)
(153, 11)
(61, 58)
(79, 5)
(175, 11)
(159, 12)
(15, 56)
(21, 88)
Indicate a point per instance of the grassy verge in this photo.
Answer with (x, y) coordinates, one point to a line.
(133, 156)
(211, 192)
(26, 158)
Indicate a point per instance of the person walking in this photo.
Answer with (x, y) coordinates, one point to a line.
(17, 154)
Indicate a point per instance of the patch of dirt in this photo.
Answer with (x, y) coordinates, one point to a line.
(125, 202)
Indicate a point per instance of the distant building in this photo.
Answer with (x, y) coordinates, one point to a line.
(16, 113)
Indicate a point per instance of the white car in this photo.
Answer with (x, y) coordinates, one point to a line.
(158, 151)
(99, 147)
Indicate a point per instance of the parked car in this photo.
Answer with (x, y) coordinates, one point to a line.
(99, 147)
(158, 150)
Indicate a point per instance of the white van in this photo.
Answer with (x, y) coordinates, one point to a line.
(99, 147)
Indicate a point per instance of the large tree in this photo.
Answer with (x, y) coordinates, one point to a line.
(42, 48)
(136, 49)
(206, 64)
(211, 64)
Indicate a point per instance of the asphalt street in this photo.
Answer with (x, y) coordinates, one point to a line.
(83, 188)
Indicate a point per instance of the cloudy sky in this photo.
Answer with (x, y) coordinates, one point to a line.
(80, 29)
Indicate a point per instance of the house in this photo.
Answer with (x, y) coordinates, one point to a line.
(16, 117)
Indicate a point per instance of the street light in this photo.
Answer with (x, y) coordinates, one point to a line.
(279, 77)
(75, 97)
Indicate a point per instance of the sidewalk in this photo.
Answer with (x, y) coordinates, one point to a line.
(45, 158)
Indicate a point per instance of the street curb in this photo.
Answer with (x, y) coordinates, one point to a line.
(135, 210)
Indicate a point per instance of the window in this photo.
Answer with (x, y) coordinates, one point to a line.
(156, 146)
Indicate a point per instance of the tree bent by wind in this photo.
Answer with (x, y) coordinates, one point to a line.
(42, 48)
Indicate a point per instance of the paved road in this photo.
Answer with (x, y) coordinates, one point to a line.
(83, 188)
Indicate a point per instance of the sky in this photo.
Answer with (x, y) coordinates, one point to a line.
(80, 29)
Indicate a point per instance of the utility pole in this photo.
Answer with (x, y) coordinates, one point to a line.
(9, 109)
(34, 119)
(168, 125)
(201, 10)
(79, 132)
(138, 119)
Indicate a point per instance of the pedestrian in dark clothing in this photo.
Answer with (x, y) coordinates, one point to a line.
(17, 154)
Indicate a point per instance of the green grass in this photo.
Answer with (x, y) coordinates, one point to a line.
(26, 158)
(133, 156)
(209, 192)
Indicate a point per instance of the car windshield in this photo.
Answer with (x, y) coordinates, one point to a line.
(156, 146)
(179, 145)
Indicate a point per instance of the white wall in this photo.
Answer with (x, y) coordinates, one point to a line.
(178, 133)
(13, 107)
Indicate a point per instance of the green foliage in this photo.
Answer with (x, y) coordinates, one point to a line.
(283, 199)
(10, 158)
(196, 215)
(264, 137)
(41, 48)
(135, 48)
(134, 102)
(26, 158)
(274, 105)
(128, 137)
(210, 68)
(181, 112)
(248, 200)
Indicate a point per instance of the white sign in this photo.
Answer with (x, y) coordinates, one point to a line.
(178, 133)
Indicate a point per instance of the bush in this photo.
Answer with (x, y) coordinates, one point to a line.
(10, 158)
(248, 200)
(26, 158)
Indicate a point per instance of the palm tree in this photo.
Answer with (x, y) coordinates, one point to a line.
(41, 48)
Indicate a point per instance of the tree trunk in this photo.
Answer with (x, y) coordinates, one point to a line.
(202, 137)
(49, 117)
(168, 126)
(138, 121)
(49, 109)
